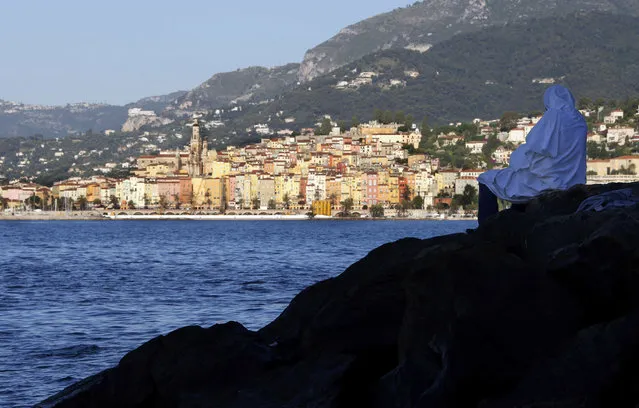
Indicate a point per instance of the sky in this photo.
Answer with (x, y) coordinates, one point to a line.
(118, 51)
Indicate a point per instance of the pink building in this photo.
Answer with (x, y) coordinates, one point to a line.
(168, 187)
(370, 189)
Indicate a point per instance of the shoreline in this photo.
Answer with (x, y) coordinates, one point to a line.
(93, 216)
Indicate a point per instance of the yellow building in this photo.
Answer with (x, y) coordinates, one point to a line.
(207, 192)
(352, 188)
(393, 187)
(287, 185)
(93, 192)
(334, 189)
(322, 207)
(220, 168)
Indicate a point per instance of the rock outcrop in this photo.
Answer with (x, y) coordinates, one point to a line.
(533, 309)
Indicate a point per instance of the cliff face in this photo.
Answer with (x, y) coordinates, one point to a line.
(432, 21)
(534, 309)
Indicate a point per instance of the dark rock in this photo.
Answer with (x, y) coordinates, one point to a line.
(533, 309)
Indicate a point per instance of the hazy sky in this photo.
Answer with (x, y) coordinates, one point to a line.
(117, 51)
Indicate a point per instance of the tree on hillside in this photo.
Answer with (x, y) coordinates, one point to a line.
(387, 117)
(378, 115)
(408, 122)
(400, 117)
(325, 128)
(425, 129)
(508, 121)
(585, 103)
(354, 121)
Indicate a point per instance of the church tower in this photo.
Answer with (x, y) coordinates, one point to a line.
(196, 150)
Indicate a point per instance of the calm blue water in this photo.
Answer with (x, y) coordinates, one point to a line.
(76, 296)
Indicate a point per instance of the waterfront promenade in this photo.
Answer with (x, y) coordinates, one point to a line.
(248, 215)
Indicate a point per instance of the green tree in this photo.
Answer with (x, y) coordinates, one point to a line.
(176, 201)
(97, 202)
(4, 203)
(387, 117)
(408, 122)
(378, 115)
(508, 121)
(255, 202)
(469, 197)
(113, 201)
(164, 203)
(403, 207)
(424, 128)
(489, 148)
(287, 201)
(82, 203)
(400, 117)
(33, 202)
(354, 121)
(207, 197)
(131, 205)
(271, 204)
(377, 210)
(325, 128)
(596, 151)
(343, 126)
(347, 206)
(406, 193)
(418, 202)
(584, 103)
(240, 203)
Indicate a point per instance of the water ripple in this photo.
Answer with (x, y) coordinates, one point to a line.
(76, 296)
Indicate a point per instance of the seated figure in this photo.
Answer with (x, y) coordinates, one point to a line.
(553, 157)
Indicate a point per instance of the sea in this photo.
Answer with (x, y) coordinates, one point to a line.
(75, 296)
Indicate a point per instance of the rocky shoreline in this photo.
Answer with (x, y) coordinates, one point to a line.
(533, 309)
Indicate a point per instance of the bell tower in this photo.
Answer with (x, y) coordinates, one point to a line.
(196, 150)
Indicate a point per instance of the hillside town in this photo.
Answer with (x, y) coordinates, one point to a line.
(371, 165)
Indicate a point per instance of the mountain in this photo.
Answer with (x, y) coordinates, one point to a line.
(429, 22)
(480, 74)
(17, 119)
(254, 84)
(244, 85)
(157, 103)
